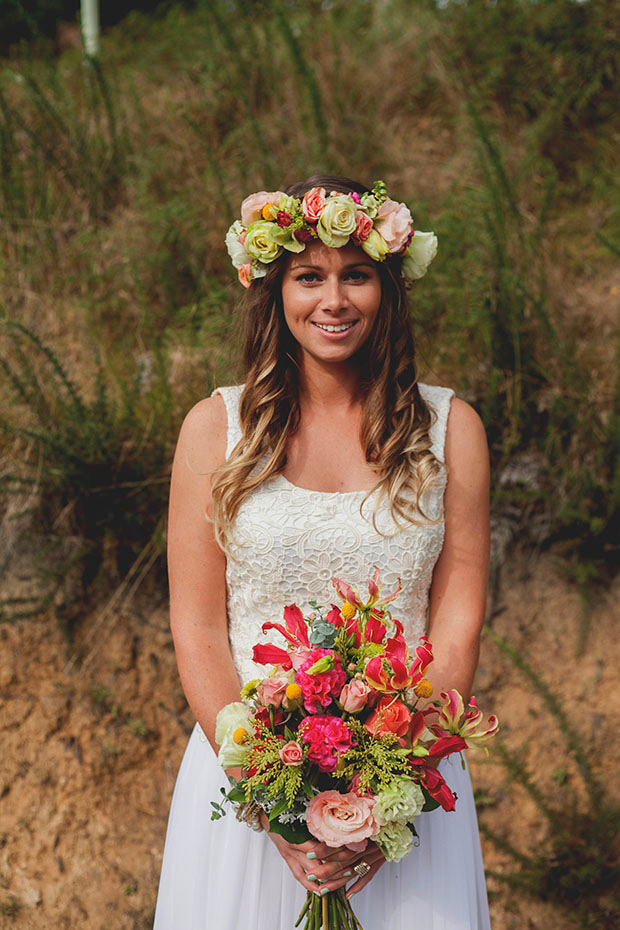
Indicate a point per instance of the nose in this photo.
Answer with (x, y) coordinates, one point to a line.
(333, 294)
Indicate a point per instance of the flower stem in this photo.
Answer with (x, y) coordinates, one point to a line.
(325, 904)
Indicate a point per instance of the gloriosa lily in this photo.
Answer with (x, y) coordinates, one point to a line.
(295, 631)
(347, 593)
(391, 670)
(457, 721)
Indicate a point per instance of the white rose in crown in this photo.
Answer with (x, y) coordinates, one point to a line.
(422, 250)
(234, 244)
(337, 222)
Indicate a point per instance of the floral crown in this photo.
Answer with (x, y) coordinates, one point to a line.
(272, 222)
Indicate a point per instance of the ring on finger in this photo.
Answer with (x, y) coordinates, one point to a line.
(362, 868)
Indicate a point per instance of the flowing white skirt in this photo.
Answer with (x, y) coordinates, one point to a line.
(220, 875)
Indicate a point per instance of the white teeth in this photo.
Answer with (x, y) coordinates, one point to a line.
(334, 329)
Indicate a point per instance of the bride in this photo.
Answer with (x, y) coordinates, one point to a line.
(330, 460)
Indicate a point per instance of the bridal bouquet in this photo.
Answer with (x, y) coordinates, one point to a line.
(339, 741)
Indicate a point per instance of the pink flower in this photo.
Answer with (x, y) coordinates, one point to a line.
(245, 274)
(342, 819)
(283, 218)
(355, 196)
(327, 738)
(389, 716)
(320, 687)
(312, 204)
(362, 227)
(252, 206)
(291, 753)
(354, 695)
(272, 691)
(395, 224)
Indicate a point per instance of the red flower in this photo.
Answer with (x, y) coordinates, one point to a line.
(304, 235)
(389, 716)
(266, 654)
(283, 218)
(327, 738)
(438, 789)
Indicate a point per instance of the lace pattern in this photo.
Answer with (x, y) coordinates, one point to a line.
(289, 542)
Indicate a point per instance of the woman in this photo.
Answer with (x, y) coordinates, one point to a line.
(330, 460)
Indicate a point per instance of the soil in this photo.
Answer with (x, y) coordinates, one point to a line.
(91, 745)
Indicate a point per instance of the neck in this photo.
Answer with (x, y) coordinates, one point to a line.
(328, 385)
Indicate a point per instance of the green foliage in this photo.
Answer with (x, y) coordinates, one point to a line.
(578, 863)
(378, 759)
(98, 469)
(271, 772)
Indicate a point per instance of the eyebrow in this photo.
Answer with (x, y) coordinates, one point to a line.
(366, 263)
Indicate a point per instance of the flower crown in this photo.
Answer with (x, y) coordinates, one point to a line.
(272, 222)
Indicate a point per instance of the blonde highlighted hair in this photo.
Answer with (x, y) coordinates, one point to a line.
(395, 423)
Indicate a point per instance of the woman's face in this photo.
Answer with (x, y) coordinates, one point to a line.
(331, 298)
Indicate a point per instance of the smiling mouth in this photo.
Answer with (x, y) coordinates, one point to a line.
(337, 328)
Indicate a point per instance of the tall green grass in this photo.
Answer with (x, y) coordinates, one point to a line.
(577, 863)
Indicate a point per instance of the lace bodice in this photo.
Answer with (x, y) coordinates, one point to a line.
(289, 542)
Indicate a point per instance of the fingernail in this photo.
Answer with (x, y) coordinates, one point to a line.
(347, 874)
(323, 891)
(311, 878)
(311, 855)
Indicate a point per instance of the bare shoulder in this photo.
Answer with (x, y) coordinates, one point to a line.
(466, 447)
(202, 440)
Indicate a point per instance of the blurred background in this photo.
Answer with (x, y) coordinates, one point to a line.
(498, 124)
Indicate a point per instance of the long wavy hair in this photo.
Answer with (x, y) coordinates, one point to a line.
(395, 422)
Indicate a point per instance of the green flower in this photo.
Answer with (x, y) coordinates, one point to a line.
(400, 803)
(394, 840)
(375, 246)
(260, 243)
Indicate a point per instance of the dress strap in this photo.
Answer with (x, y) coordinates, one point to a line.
(231, 397)
(438, 399)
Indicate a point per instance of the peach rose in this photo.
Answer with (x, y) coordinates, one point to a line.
(341, 819)
(395, 224)
(252, 206)
(312, 203)
(389, 716)
(354, 695)
(291, 753)
(272, 691)
(245, 274)
(363, 226)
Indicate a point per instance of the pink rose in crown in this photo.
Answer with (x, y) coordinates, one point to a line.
(389, 716)
(320, 687)
(291, 753)
(312, 204)
(327, 738)
(354, 695)
(252, 206)
(363, 226)
(342, 820)
(272, 691)
(395, 224)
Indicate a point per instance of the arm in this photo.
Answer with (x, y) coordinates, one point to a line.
(197, 567)
(458, 590)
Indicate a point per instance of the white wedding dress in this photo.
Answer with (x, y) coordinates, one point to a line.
(289, 543)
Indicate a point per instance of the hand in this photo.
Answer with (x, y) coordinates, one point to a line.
(317, 866)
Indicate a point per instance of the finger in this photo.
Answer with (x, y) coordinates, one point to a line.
(357, 886)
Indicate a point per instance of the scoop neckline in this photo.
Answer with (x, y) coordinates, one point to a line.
(298, 487)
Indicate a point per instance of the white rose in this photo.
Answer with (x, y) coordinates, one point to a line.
(337, 221)
(232, 717)
(400, 803)
(236, 250)
(394, 840)
(422, 250)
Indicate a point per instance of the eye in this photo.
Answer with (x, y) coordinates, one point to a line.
(307, 277)
(357, 275)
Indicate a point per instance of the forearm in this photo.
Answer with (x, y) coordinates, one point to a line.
(207, 672)
(455, 659)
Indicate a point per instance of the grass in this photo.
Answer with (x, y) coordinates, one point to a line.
(576, 865)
